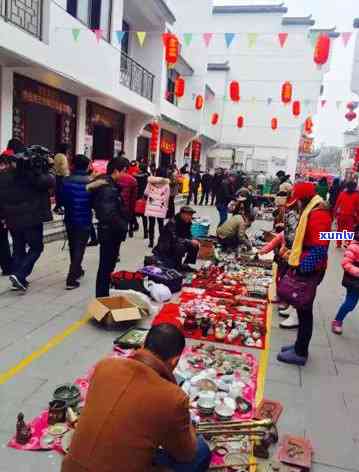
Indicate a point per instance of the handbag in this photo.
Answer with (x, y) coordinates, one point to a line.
(140, 206)
(350, 281)
(296, 289)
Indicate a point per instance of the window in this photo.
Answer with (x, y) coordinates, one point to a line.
(96, 14)
(125, 44)
(172, 75)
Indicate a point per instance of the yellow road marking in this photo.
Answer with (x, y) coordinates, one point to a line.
(53, 342)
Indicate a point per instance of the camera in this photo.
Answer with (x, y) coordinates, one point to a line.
(35, 160)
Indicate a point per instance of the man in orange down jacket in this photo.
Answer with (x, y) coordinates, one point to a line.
(136, 417)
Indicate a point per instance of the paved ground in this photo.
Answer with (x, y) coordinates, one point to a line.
(321, 400)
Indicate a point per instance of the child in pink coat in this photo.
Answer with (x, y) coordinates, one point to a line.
(350, 265)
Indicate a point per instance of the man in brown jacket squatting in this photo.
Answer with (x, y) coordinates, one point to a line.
(136, 417)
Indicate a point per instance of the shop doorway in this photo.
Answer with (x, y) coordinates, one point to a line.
(41, 124)
(103, 143)
(143, 149)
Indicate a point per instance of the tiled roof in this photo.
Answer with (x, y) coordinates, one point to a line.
(298, 20)
(330, 32)
(233, 9)
(219, 66)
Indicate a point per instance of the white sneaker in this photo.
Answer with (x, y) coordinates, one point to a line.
(291, 322)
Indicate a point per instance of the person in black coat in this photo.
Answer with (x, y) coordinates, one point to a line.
(217, 180)
(5, 251)
(78, 216)
(176, 243)
(142, 178)
(112, 222)
(25, 207)
(225, 194)
(207, 184)
(194, 183)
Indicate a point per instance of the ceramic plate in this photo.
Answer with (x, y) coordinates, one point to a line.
(58, 429)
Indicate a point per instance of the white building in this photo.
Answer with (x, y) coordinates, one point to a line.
(60, 82)
(261, 66)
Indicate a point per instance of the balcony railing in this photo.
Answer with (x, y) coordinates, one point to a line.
(26, 14)
(136, 78)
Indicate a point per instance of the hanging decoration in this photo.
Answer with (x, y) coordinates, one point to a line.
(352, 105)
(155, 132)
(234, 91)
(214, 119)
(199, 102)
(287, 92)
(196, 150)
(308, 125)
(76, 34)
(323, 103)
(322, 50)
(180, 87)
(141, 36)
(172, 50)
(207, 38)
(282, 39)
(346, 37)
(229, 37)
(252, 40)
(187, 39)
(274, 123)
(240, 122)
(296, 108)
(98, 34)
(351, 115)
(167, 147)
(120, 36)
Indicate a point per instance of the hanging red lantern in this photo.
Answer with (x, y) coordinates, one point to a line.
(240, 122)
(274, 123)
(322, 50)
(296, 108)
(155, 131)
(234, 91)
(199, 102)
(308, 125)
(287, 92)
(351, 115)
(172, 49)
(215, 118)
(196, 150)
(179, 87)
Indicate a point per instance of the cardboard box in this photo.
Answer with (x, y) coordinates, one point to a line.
(111, 310)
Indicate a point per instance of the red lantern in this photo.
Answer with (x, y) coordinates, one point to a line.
(155, 131)
(322, 49)
(274, 123)
(296, 108)
(179, 87)
(234, 91)
(240, 122)
(172, 49)
(215, 118)
(308, 125)
(199, 102)
(351, 115)
(196, 150)
(287, 92)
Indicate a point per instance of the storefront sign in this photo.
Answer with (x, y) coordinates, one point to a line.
(167, 147)
(46, 100)
(196, 150)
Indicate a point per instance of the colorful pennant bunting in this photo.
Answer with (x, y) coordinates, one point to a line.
(282, 39)
(323, 103)
(76, 33)
(141, 36)
(207, 37)
(229, 37)
(252, 39)
(346, 38)
(120, 35)
(98, 34)
(187, 38)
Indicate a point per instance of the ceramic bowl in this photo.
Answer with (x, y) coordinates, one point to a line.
(224, 412)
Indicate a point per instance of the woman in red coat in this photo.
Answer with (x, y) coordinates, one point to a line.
(347, 209)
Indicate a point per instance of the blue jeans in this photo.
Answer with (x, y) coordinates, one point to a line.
(223, 213)
(199, 464)
(27, 246)
(349, 304)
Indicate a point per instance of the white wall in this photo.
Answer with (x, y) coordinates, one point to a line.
(355, 75)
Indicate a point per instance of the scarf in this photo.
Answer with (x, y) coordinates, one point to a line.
(296, 252)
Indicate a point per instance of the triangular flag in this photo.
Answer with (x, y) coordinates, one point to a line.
(76, 33)
(252, 39)
(346, 38)
(338, 104)
(141, 36)
(269, 101)
(207, 38)
(323, 103)
(282, 39)
(313, 36)
(120, 35)
(187, 38)
(98, 34)
(229, 37)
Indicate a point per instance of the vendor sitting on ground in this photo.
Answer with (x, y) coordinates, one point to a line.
(133, 408)
(232, 233)
(176, 243)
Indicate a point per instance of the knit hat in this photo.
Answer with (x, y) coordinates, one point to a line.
(301, 191)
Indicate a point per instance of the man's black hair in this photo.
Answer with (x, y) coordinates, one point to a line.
(280, 173)
(119, 163)
(63, 148)
(165, 341)
(16, 145)
(81, 162)
(351, 186)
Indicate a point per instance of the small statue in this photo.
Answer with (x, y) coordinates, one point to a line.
(23, 431)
